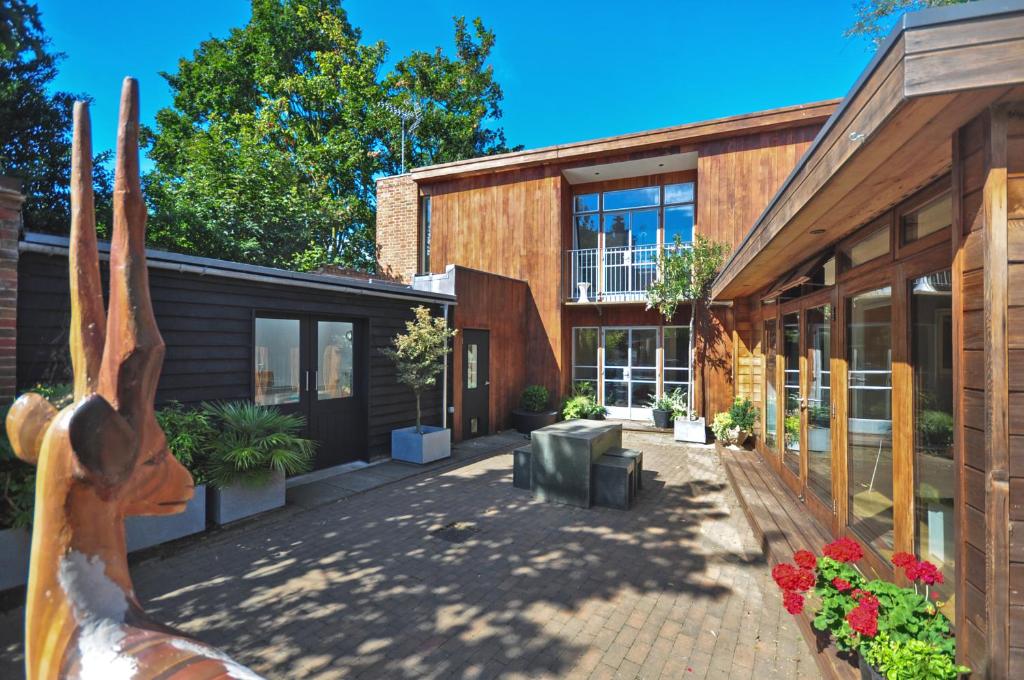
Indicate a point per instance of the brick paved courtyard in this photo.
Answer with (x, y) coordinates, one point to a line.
(674, 588)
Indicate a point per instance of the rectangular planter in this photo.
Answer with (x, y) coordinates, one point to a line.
(15, 546)
(239, 501)
(145, 532)
(693, 431)
(409, 446)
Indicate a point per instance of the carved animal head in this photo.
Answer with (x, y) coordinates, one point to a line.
(107, 446)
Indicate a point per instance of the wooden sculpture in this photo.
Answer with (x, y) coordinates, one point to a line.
(104, 457)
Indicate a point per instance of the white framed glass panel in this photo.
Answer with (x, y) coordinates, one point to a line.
(676, 351)
(586, 203)
(678, 222)
(791, 391)
(616, 368)
(277, 361)
(586, 231)
(679, 193)
(584, 357)
(335, 359)
(631, 198)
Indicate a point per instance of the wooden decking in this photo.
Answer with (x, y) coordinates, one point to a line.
(782, 525)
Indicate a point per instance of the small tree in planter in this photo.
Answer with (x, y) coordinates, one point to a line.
(418, 354)
(686, 273)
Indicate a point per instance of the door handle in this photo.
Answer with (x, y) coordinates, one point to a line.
(487, 383)
(307, 381)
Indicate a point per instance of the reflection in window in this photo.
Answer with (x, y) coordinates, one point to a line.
(277, 361)
(616, 365)
(584, 357)
(819, 402)
(679, 193)
(869, 425)
(335, 356)
(791, 390)
(771, 420)
(678, 223)
(631, 198)
(871, 247)
(928, 219)
(931, 304)
(586, 231)
(677, 359)
(471, 366)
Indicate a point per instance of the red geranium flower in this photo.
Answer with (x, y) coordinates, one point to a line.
(789, 578)
(805, 559)
(804, 580)
(902, 559)
(793, 602)
(864, 619)
(844, 550)
(842, 585)
(925, 572)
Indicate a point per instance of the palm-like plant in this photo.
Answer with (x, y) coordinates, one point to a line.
(251, 442)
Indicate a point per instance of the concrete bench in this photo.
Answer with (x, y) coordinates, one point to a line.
(614, 482)
(634, 455)
(522, 462)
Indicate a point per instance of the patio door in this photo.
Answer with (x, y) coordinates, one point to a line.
(630, 371)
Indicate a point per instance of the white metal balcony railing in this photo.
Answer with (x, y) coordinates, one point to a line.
(610, 274)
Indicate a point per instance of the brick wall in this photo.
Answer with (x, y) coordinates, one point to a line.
(397, 228)
(10, 225)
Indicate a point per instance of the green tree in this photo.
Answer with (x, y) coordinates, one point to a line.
(278, 132)
(35, 126)
(875, 17)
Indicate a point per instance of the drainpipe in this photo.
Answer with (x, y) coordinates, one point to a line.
(444, 380)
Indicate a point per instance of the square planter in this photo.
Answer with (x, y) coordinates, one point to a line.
(239, 501)
(693, 431)
(409, 446)
(145, 532)
(15, 546)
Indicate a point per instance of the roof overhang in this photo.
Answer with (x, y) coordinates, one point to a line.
(682, 137)
(640, 167)
(892, 133)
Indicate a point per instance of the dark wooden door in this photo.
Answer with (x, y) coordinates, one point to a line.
(476, 383)
(337, 390)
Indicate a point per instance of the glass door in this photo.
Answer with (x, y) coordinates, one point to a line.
(791, 392)
(819, 402)
(630, 371)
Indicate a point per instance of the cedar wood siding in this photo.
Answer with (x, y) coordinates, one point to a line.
(207, 325)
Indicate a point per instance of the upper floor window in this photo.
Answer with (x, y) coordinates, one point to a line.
(633, 218)
(933, 216)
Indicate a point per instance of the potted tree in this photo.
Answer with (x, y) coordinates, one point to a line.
(533, 412)
(251, 451)
(686, 272)
(417, 355)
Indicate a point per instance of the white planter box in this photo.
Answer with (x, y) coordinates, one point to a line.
(15, 547)
(692, 431)
(819, 439)
(239, 501)
(145, 532)
(409, 446)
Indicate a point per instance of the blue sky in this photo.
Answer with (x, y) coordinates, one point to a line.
(570, 70)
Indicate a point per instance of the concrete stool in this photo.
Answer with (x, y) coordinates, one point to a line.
(614, 482)
(521, 467)
(638, 457)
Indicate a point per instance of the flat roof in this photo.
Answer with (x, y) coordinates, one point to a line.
(688, 133)
(161, 259)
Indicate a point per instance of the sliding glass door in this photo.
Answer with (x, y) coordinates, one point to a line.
(630, 371)
(819, 402)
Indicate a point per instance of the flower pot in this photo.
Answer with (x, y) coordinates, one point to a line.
(409, 446)
(866, 670)
(596, 416)
(662, 418)
(742, 437)
(528, 421)
(239, 501)
(819, 438)
(145, 532)
(687, 430)
(15, 546)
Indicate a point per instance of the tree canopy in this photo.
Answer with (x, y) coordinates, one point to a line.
(875, 17)
(278, 132)
(35, 126)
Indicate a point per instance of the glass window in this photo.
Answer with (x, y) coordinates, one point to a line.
(928, 219)
(632, 198)
(771, 421)
(334, 352)
(425, 234)
(616, 363)
(586, 231)
(676, 346)
(931, 314)
(471, 366)
(616, 230)
(584, 356)
(791, 391)
(644, 228)
(277, 361)
(585, 203)
(869, 425)
(679, 222)
(819, 402)
(869, 248)
(679, 193)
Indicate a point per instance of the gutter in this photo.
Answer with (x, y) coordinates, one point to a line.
(204, 270)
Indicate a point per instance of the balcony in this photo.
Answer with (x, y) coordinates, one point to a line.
(620, 274)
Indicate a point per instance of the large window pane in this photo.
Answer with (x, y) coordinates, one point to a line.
(679, 193)
(931, 304)
(678, 222)
(645, 228)
(584, 356)
(586, 231)
(277, 361)
(585, 203)
(819, 402)
(771, 422)
(676, 350)
(616, 230)
(791, 385)
(334, 352)
(631, 198)
(928, 219)
(869, 427)
(643, 348)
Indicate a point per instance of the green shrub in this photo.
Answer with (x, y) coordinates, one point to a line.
(188, 432)
(250, 442)
(534, 399)
(792, 427)
(744, 414)
(935, 430)
(724, 428)
(911, 659)
(582, 404)
(674, 401)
